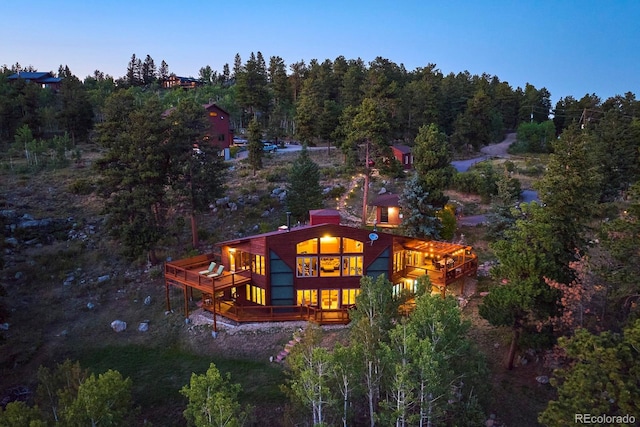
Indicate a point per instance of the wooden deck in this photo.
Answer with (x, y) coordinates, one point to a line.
(443, 277)
(184, 275)
(272, 313)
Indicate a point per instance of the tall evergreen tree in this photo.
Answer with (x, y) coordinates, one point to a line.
(148, 71)
(619, 263)
(197, 171)
(251, 85)
(255, 146)
(602, 376)
(617, 153)
(134, 172)
(133, 71)
(308, 112)
(303, 190)
(76, 112)
(526, 256)
(570, 190)
(473, 127)
(420, 217)
(163, 71)
(432, 156)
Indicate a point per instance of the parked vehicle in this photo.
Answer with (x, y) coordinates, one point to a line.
(269, 147)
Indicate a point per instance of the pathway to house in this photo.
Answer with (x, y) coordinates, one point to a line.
(348, 217)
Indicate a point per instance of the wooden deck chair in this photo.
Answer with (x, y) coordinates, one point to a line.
(218, 272)
(209, 270)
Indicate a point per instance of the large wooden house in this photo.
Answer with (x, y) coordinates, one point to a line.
(184, 82)
(43, 79)
(312, 272)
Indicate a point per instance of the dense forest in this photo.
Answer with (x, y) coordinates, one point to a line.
(566, 275)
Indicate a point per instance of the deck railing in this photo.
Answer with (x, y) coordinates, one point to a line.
(188, 274)
(240, 313)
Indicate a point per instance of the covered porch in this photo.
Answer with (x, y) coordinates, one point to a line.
(445, 264)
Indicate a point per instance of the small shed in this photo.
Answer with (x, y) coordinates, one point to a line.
(403, 154)
(387, 207)
(324, 216)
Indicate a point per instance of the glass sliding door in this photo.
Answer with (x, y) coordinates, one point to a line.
(329, 299)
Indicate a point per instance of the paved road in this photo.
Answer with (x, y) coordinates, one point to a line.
(289, 148)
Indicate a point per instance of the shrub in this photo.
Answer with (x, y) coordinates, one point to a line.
(81, 186)
(336, 192)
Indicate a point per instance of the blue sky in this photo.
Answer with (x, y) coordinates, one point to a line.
(569, 47)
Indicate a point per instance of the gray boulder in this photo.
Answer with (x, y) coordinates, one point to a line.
(118, 325)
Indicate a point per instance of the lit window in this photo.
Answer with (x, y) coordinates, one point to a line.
(307, 266)
(349, 296)
(307, 297)
(352, 246)
(352, 265)
(398, 261)
(397, 288)
(257, 265)
(256, 294)
(307, 247)
(330, 266)
(329, 245)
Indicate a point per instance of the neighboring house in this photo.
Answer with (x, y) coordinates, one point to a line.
(219, 133)
(387, 210)
(183, 82)
(313, 272)
(45, 80)
(403, 154)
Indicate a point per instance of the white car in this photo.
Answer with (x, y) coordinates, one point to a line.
(269, 147)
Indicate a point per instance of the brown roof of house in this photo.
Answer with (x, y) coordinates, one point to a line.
(324, 212)
(402, 148)
(213, 104)
(386, 199)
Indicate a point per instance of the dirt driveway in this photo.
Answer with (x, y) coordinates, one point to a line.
(500, 149)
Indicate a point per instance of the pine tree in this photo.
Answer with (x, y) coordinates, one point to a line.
(569, 190)
(526, 257)
(303, 191)
(432, 163)
(197, 174)
(602, 376)
(255, 146)
(420, 217)
(76, 112)
(134, 172)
